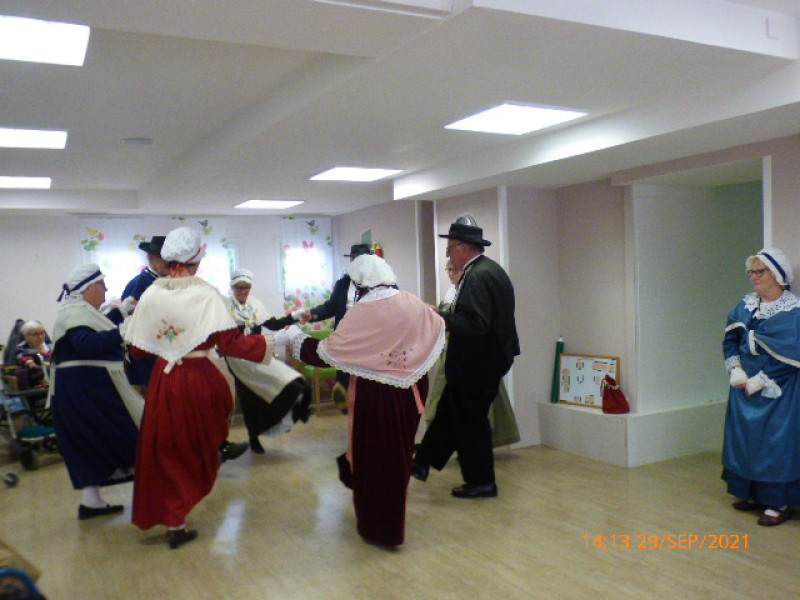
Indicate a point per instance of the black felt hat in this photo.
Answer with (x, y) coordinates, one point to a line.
(359, 249)
(154, 245)
(471, 234)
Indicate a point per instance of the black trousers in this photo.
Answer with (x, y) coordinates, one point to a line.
(462, 425)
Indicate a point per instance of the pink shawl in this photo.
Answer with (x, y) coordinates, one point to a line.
(393, 340)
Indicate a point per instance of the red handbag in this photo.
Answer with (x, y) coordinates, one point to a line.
(614, 401)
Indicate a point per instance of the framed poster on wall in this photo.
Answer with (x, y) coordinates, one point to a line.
(581, 376)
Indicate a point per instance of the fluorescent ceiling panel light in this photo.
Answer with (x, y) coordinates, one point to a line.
(49, 42)
(354, 174)
(37, 183)
(32, 138)
(268, 204)
(515, 119)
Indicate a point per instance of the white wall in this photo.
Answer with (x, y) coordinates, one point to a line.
(690, 248)
(591, 263)
(533, 268)
(395, 226)
(39, 252)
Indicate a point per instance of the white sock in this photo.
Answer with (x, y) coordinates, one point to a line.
(177, 528)
(91, 497)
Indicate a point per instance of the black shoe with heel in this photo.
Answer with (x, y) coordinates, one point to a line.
(178, 537)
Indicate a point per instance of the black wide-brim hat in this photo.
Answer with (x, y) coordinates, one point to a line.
(359, 249)
(470, 234)
(154, 245)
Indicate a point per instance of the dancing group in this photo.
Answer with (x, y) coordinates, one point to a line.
(174, 328)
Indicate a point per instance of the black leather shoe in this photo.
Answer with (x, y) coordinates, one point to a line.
(475, 491)
(420, 471)
(231, 451)
(178, 537)
(87, 512)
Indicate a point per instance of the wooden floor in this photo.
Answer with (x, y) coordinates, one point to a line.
(281, 526)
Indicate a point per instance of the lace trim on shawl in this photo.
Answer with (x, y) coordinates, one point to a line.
(764, 310)
(382, 377)
(295, 344)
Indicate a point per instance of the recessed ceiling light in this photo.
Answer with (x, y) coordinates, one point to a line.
(354, 174)
(515, 119)
(12, 182)
(268, 204)
(49, 42)
(32, 138)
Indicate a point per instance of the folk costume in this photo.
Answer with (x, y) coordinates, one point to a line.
(273, 396)
(95, 410)
(761, 453)
(139, 370)
(185, 423)
(481, 349)
(502, 421)
(342, 297)
(386, 342)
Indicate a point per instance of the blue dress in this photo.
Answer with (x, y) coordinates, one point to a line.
(95, 432)
(139, 370)
(761, 453)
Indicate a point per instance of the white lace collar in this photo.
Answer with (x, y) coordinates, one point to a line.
(764, 310)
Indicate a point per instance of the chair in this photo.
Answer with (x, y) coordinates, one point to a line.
(316, 375)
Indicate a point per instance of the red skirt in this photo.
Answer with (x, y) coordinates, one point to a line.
(184, 425)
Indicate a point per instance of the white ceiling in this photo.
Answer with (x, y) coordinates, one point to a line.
(249, 98)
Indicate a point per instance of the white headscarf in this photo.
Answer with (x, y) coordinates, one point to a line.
(241, 275)
(79, 279)
(183, 245)
(775, 260)
(369, 271)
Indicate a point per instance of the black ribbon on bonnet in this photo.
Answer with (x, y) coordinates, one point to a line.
(65, 290)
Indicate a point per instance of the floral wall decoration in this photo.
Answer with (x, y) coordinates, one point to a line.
(306, 264)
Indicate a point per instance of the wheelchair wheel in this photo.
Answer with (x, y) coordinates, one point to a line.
(29, 458)
(11, 479)
(50, 444)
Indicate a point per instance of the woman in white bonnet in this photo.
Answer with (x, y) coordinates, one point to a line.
(95, 411)
(274, 396)
(180, 319)
(761, 453)
(387, 342)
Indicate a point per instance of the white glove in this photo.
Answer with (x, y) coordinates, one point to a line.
(738, 377)
(298, 314)
(126, 306)
(759, 382)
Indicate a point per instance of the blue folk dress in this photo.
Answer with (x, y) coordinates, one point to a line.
(95, 411)
(761, 453)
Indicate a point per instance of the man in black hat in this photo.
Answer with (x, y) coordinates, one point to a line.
(342, 298)
(139, 370)
(482, 345)
(157, 267)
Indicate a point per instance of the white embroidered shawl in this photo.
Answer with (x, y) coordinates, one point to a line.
(174, 316)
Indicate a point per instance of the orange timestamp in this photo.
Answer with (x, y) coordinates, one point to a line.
(672, 541)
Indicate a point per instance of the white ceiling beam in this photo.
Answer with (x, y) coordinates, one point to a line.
(708, 22)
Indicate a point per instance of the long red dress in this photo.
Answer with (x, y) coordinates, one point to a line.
(384, 424)
(184, 425)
